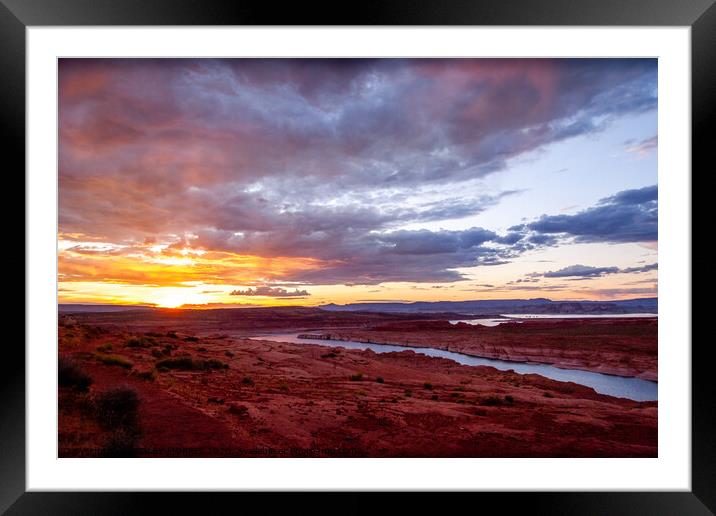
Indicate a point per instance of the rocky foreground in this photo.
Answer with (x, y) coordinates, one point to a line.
(185, 393)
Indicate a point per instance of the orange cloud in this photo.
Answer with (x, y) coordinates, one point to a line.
(166, 267)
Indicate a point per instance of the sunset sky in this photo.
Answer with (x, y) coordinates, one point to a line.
(310, 181)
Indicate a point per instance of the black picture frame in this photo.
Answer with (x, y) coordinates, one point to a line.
(17, 15)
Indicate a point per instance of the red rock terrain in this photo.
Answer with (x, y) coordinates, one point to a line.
(261, 398)
(623, 347)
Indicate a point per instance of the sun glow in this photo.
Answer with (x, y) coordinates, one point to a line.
(176, 297)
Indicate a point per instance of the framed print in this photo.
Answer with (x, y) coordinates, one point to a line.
(415, 249)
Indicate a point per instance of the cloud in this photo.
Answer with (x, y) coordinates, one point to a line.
(583, 271)
(546, 288)
(642, 268)
(309, 170)
(628, 216)
(267, 291)
(643, 147)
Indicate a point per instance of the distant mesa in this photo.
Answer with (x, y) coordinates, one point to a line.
(69, 308)
(476, 307)
(491, 307)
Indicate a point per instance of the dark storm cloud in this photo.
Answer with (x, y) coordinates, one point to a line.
(628, 216)
(327, 159)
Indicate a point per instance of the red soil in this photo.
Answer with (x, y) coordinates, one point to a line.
(280, 399)
(624, 347)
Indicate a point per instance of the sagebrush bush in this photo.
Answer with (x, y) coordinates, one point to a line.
(213, 363)
(146, 375)
(356, 377)
(69, 374)
(491, 401)
(189, 364)
(140, 342)
(121, 443)
(116, 360)
(117, 408)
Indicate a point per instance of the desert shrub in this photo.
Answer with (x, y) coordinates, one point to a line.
(202, 350)
(356, 377)
(187, 363)
(283, 386)
(106, 348)
(246, 380)
(238, 410)
(329, 355)
(491, 401)
(69, 374)
(428, 386)
(548, 395)
(118, 408)
(459, 389)
(139, 342)
(94, 331)
(172, 335)
(213, 363)
(191, 339)
(157, 353)
(509, 399)
(216, 400)
(182, 363)
(146, 375)
(228, 354)
(121, 443)
(379, 379)
(434, 397)
(116, 360)
(408, 393)
(153, 334)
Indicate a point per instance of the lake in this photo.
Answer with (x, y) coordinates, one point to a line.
(631, 388)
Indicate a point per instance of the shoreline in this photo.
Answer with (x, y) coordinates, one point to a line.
(560, 365)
